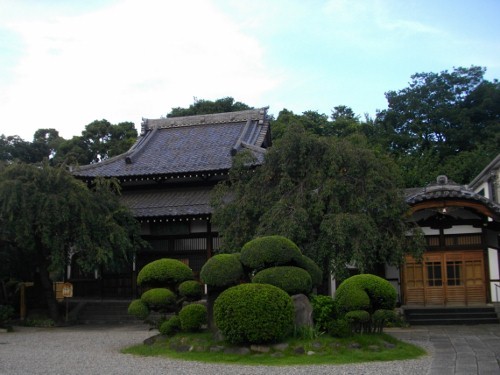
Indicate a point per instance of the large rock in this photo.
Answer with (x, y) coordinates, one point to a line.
(303, 311)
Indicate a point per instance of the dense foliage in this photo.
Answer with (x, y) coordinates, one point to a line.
(222, 270)
(293, 280)
(204, 107)
(139, 309)
(337, 199)
(46, 215)
(254, 313)
(159, 299)
(166, 272)
(171, 326)
(193, 317)
(365, 292)
(192, 290)
(269, 251)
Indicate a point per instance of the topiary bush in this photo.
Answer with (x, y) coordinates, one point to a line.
(193, 317)
(381, 317)
(159, 299)
(269, 251)
(254, 313)
(222, 270)
(365, 292)
(293, 280)
(164, 272)
(324, 311)
(171, 326)
(138, 309)
(192, 290)
(314, 271)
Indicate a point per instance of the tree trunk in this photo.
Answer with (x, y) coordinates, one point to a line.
(47, 286)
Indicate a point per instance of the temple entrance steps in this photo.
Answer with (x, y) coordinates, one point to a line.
(443, 315)
(102, 312)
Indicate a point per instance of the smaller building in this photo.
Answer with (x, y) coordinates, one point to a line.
(460, 266)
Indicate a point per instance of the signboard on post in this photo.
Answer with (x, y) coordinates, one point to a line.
(67, 290)
(63, 290)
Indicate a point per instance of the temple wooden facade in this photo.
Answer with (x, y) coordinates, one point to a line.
(460, 266)
(166, 179)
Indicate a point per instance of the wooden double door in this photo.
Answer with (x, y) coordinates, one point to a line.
(445, 278)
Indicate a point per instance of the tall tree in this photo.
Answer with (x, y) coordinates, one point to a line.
(437, 117)
(340, 202)
(45, 213)
(204, 107)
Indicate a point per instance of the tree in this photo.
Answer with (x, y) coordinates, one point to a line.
(204, 107)
(99, 141)
(46, 214)
(339, 202)
(438, 117)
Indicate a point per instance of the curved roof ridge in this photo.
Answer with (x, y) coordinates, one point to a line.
(216, 118)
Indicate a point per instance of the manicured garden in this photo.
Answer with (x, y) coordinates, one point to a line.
(261, 308)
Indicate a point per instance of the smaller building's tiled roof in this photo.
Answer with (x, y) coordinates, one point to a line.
(192, 144)
(173, 202)
(447, 189)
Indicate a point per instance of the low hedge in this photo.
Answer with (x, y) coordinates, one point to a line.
(222, 270)
(269, 251)
(293, 280)
(164, 272)
(254, 313)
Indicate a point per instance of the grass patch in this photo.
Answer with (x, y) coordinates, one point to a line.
(322, 350)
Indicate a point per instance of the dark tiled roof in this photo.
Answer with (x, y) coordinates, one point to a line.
(172, 202)
(446, 189)
(188, 144)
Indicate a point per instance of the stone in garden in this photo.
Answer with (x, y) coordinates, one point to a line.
(260, 348)
(303, 311)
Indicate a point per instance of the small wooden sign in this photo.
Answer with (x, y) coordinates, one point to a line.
(67, 290)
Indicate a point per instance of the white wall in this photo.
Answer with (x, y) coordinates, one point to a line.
(462, 229)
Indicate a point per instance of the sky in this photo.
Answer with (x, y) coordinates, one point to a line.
(64, 64)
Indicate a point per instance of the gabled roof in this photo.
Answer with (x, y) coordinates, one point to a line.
(196, 144)
(486, 173)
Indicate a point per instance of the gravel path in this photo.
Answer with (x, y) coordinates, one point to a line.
(96, 350)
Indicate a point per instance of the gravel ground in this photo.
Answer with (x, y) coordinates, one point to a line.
(96, 350)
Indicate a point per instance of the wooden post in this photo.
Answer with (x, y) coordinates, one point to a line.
(22, 307)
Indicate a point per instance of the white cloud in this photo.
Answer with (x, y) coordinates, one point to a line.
(131, 59)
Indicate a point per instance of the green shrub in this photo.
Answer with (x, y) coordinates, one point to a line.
(171, 326)
(310, 266)
(381, 317)
(164, 272)
(365, 292)
(359, 321)
(323, 311)
(138, 309)
(192, 290)
(222, 270)
(270, 251)
(254, 313)
(193, 317)
(6, 314)
(293, 280)
(339, 328)
(159, 299)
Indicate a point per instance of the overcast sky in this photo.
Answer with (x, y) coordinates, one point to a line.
(64, 63)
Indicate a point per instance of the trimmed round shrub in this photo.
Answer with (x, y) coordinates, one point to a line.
(293, 280)
(159, 299)
(269, 251)
(171, 326)
(310, 266)
(323, 311)
(222, 270)
(164, 272)
(365, 292)
(192, 290)
(254, 313)
(138, 309)
(192, 317)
